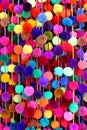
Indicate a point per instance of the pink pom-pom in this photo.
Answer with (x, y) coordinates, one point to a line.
(32, 43)
(65, 1)
(58, 29)
(4, 51)
(37, 52)
(4, 40)
(14, 19)
(5, 4)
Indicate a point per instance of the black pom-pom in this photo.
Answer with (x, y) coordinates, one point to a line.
(27, 6)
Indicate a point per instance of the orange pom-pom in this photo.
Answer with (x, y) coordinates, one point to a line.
(48, 7)
(18, 49)
(73, 1)
(27, 27)
(65, 13)
(14, 58)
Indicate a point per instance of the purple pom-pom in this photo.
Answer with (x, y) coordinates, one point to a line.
(58, 50)
(18, 9)
(28, 71)
(27, 6)
(37, 94)
(73, 63)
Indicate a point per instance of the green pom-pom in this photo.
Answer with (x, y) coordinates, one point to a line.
(19, 88)
(15, 39)
(49, 35)
(37, 73)
(25, 14)
(73, 107)
(4, 58)
(11, 27)
(76, 78)
(48, 95)
(55, 1)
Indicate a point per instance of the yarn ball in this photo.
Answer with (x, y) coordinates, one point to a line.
(43, 81)
(58, 50)
(55, 84)
(29, 90)
(56, 40)
(58, 71)
(42, 18)
(27, 27)
(27, 6)
(18, 9)
(4, 40)
(37, 73)
(67, 22)
(58, 29)
(27, 49)
(58, 8)
(36, 32)
(18, 29)
(73, 63)
(44, 122)
(73, 107)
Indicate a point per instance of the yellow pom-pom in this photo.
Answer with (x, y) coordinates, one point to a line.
(85, 6)
(3, 15)
(22, 23)
(11, 82)
(27, 49)
(48, 114)
(38, 128)
(48, 46)
(32, 2)
(49, 15)
(17, 98)
(11, 68)
(56, 40)
(18, 29)
(32, 22)
(58, 8)
(39, 24)
(5, 78)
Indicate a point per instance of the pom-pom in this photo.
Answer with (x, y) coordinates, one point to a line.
(73, 85)
(73, 41)
(4, 58)
(64, 80)
(82, 41)
(21, 126)
(18, 9)
(58, 93)
(67, 22)
(68, 71)
(29, 91)
(19, 108)
(49, 15)
(5, 96)
(19, 88)
(48, 26)
(37, 94)
(49, 55)
(42, 60)
(28, 71)
(73, 63)
(35, 12)
(58, 29)
(36, 32)
(65, 1)
(73, 107)
(14, 19)
(5, 4)
(73, 126)
(49, 34)
(58, 71)
(25, 36)
(44, 122)
(37, 52)
(43, 81)
(48, 6)
(56, 40)
(25, 14)
(58, 8)
(18, 49)
(29, 112)
(67, 47)
(27, 6)
(33, 3)
(11, 27)
(4, 22)
(42, 18)
(27, 49)
(27, 27)
(42, 39)
(65, 35)
(18, 69)
(37, 73)
(13, 126)
(38, 114)
(55, 124)
(18, 29)
(65, 13)
(81, 18)
(11, 7)
(58, 50)
(55, 84)
(4, 40)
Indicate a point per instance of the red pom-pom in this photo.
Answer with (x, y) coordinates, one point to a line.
(81, 18)
(1, 8)
(78, 72)
(56, 20)
(64, 123)
(35, 12)
(29, 112)
(11, 7)
(5, 3)
(54, 63)
(27, 27)
(11, 90)
(48, 7)
(42, 60)
(67, 47)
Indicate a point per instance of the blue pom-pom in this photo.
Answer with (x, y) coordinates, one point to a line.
(80, 11)
(55, 84)
(36, 32)
(27, 71)
(37, 94)
(48, 26)
(33, 84)
(21, 126)
(22, 43)
(27, 128)
(65, 36)
(13, 126)
(73, 18)
(44, 122)
(18, 69)
(81, 25)
(67, 22)
(59, 128)
(42, 18)
(64, 81)
(32, 128)
(32, 63)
